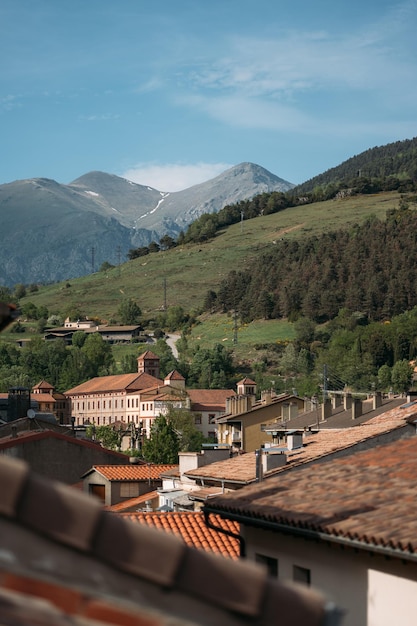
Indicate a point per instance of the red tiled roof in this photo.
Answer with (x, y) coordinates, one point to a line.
(131, 503)
(46, 397)
(174, 375)
(43, 384)
(119, 382)
(368, 497)
(193, 530)
(148, 355)
(209, 399)
(246, 381)
(242, 468)
(131, 472)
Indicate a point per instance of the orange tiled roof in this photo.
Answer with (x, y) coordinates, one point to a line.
(193, 530)
(148, 355)
(367, 497)
(132, 472)
(46, 397)
(43, 384)
(119, 382)
(242, 469)
(209, 399)
(174, 375)
(131, 503)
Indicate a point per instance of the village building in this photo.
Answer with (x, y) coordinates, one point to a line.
(109, 333)
(137, 399)
(113, 484)
(347, 526)
(48, 400)
(240, 426)
(52, 450)
(303, 448)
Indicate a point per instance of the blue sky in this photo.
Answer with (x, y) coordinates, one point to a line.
(170, 93)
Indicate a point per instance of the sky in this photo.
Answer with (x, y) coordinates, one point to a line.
(171, 93)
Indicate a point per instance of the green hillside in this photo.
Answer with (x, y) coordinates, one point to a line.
(183, 275)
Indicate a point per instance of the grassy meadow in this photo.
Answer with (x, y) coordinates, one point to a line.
(183, 275)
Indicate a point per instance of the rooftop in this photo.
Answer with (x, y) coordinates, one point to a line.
(316, 445)
(118, 382)
(64, 560)
(204, 399)
(144, 471)
(193, 531)
(368, 497)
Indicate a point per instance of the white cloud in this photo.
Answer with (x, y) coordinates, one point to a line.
(174, 176)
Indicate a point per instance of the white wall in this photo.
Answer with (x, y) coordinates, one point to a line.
(373, 590)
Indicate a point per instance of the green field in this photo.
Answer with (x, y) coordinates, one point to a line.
(183, 275)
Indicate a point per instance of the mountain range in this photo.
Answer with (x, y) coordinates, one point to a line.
(52, 232)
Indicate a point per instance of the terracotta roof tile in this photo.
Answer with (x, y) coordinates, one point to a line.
(133, 503)
(148, 354)
(368, 496)
(132, 472)
(117, 382)
(209, 399)
(193, 530)
(105, 562)
(316, 445)
(174, 375)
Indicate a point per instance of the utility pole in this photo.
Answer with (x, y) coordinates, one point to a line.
(324, 383)
(119, 254)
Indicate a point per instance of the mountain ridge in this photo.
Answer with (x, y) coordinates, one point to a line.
(53, 232)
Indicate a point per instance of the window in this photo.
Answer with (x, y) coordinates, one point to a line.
(301, 575)
(104, 404)
(270, 564)
(129, 490)
(211, 417)
(197, 419)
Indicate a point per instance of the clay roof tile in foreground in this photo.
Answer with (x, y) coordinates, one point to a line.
(367, 497)
(69, 558)
(193, 531)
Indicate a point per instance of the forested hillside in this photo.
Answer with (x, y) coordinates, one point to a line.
(395, 161)
(370, 268)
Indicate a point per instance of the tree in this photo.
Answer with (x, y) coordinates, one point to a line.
(211, 368)
(163, 445)
(105, 267)
(98, 353)
(108, 436)
(78, 338)
(129, 311)
(183, 422)
(401, 376)
(384, 377)
(166, 242)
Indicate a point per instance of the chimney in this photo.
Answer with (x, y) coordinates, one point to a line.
(258, 465)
